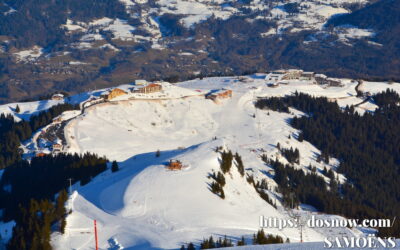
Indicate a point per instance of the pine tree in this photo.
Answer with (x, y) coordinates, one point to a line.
(60, 209)
(17, 109)
(239, 164)
(226, 161)
(241, 242)
(222, 195)
(300, 137)
(220, 179)
(191, 246)
(114, 167)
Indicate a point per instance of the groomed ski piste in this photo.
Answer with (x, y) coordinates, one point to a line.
(146, 206)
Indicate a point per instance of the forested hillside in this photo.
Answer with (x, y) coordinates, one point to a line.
(367, 147)
(28, 188)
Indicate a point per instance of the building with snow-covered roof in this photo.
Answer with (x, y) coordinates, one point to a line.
(292, 74)
(57, 147)
(219, 94)
(307, 76)
(57, 97)
(174, 165)
(276, 75)
(109, 95)
(150, 88)
(140, 82)
(324, 80)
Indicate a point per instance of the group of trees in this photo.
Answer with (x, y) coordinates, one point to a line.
(261, 187)
(34, 223)
(27, 195)
(259, 238)
(43, 177)
(220, 243)
(239, 164)
(298, 187)
(217, 186)
(28, 188)
(367, 147)
(292, 155)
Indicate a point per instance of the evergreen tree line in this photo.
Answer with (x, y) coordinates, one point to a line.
(34, 223)
(217, 186)
(12, 133)
(367, 147)
(239, 164)
(27, 195)
(210, 243)
(259, 238)
(260, 188)
(43, 177)
(297, 187)
(27, 189)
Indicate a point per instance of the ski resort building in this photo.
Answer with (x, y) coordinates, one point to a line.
(140, 82)
(150, 88)
(275, 75)
(57, 148)
(57, 97)
(322, 80)
(40, 154)
(108, 95)
(292, 74)
(174, 165)
(307, 76)
(219, 94)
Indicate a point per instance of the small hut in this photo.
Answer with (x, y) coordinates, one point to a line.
(174, 165)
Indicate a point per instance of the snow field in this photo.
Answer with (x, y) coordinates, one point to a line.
(146, 206)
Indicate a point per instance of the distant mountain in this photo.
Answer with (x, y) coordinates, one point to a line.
(380, 16)
(75, 46)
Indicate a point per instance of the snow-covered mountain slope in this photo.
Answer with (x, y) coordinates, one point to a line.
(27, 109)
(144, 205)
